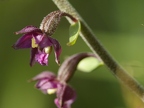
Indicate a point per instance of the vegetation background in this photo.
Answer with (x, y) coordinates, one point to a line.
(117, 24)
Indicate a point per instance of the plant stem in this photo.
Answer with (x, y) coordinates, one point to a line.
(97, 48)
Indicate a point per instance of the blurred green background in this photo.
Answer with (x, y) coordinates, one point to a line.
(117, 24)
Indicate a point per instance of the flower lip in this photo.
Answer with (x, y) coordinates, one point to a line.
(42, 58)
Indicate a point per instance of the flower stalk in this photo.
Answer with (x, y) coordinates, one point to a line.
(93, 43)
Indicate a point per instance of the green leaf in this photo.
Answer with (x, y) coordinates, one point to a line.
(74, 32)
(89, 64)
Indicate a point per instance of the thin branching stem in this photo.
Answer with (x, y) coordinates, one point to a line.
(98, 49)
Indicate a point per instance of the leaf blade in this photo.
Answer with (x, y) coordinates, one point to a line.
(73, 33)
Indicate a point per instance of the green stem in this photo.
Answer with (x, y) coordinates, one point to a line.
(97, 48)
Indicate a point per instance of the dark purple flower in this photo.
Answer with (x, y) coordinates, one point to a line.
(40, 44)
(47, 82)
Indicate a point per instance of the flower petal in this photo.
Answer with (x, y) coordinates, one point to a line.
(34, 51)
(45, 84)
(46, 74)
(57, 49)
(23, 42)
(43, 41)
(65, 96)
(29, 29)
(38, 38)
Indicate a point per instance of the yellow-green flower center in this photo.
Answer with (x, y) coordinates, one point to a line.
(48, 49)
(51, 91)
(33, 43)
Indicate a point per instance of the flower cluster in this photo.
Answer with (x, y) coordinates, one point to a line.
(40, 42)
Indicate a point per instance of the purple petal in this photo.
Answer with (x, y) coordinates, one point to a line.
(45, 74)
(23, 42)
(65, 96)
(29, 29)
(34, 51)
(43, 41)
(38, 38)
(42, 58)
(57, 48)
(45, 84)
